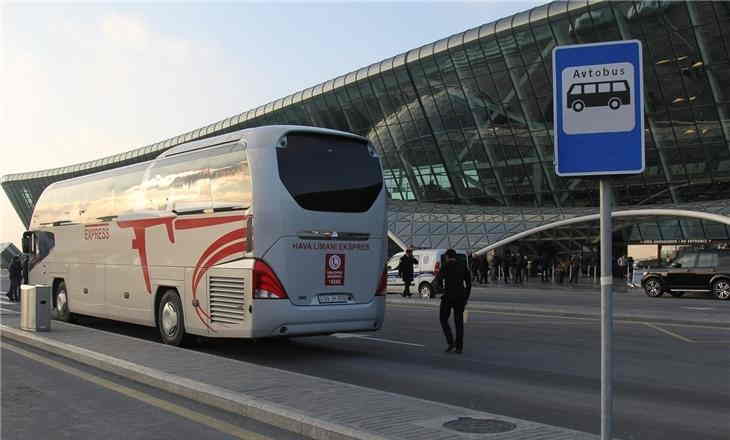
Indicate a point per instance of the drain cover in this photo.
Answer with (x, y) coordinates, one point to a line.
(479, 426)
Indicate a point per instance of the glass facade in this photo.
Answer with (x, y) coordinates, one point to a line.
(467, 120)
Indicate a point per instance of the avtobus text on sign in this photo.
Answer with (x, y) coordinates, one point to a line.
(230, 236)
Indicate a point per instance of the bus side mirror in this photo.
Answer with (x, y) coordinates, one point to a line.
(27, 243)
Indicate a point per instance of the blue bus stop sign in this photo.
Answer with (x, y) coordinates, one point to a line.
(598, 102)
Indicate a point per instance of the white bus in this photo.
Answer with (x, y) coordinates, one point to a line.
(271, 231)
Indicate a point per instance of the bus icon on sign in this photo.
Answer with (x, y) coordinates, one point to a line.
(598, 98)
(611, 94)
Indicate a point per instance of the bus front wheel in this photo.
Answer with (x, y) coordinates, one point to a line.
(578, 106)
(614, 103)
(61, 311)
(170, 320)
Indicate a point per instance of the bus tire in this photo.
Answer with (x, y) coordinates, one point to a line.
(578, 106)
(61, 311)
(614, 103)
(170, 319)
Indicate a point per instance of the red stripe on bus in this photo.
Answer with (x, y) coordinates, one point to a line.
(139, 241)
(236, 247)
(220, 242)
(200, 269)
(192, 223)
(198, 310)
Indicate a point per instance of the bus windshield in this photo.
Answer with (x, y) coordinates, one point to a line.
(329, 173)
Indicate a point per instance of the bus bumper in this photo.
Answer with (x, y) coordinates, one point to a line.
(282, 318)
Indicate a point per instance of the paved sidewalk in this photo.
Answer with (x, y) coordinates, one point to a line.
(319, 408)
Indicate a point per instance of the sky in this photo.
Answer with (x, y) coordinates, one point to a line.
(82, 80)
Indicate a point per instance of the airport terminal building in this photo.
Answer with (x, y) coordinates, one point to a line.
(464, 127)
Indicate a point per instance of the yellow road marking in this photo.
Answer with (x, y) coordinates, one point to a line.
(539, 315)
(203, 419)
(656, 327)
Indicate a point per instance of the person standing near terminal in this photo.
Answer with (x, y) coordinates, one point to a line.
(518, 268)
(457, 284)
(496, 261)
(474, 266)
(16, 274)
(573, 270)
(484, 269)
(405, 271)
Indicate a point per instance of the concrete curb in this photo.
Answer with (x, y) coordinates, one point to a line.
(216, 397)
(477, 305)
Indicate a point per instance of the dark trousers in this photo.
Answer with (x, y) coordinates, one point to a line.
(484, 275)
(445, 312)
(407, 288)
(14, 292)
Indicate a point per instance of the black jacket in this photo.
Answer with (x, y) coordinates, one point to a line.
(16, 270)
(457, 279)
(405, 267)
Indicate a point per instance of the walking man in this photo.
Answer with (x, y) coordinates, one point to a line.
(16, 274)
(405, 271)
(457, 280)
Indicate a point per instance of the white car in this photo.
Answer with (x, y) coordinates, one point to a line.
(424, 272)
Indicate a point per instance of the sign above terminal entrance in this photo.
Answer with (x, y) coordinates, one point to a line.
(598, 109)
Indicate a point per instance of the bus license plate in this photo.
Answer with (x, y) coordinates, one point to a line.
(332, 299)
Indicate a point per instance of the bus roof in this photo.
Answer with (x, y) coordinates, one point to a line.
(274, 130)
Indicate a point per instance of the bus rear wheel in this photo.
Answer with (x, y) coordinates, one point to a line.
(614, 103)
(170, 321)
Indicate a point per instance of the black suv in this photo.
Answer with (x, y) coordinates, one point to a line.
(697, 270)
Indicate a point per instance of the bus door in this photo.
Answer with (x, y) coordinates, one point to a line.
(326, 216)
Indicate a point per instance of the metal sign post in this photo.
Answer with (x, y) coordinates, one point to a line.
(598, 105)
(606, 310)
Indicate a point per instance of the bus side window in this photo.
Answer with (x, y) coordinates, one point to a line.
(230, 178)
(99, 201)
(128, 195)
(45, 208)
(604, 88)
(69, 200)
(619, 86)
(180, 183)
(589, 88)
(576, 89)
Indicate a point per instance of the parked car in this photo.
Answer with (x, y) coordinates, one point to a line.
(429, 263)
(697, 270)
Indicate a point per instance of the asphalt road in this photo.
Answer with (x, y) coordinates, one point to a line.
(66, 400)
(567, 294)
(690, 307)
(671, 381)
